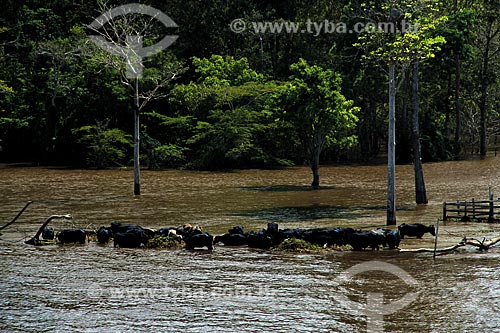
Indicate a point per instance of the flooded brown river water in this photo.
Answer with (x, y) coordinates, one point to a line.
(92, 288)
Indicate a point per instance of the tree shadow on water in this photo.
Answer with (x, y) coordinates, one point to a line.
(304, 213)
(316, 212)
(286, 188)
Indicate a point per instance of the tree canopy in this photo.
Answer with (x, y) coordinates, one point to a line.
(249, 99)
(316, 112)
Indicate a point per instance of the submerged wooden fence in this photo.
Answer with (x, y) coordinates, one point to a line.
(483, 210)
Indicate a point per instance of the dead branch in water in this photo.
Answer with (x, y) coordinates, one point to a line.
(483, 245)
(422, 250)
(17, 216)
(35, 239)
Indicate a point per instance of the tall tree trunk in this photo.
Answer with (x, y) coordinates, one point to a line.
(458, 109)
(403, 135)
(315, 171)
(137, 169)
(316, 151)
(391, 145)
(420, 192)
(484, 87)
(482, 133)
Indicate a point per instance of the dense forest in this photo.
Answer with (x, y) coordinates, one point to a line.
(219, 99)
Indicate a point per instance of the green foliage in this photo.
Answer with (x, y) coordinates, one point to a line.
(225, 71)
(222, 117)
(13, 123)
(241, 103)
(312, 103)
(414, 38)
(170, 155)
(157, 155)
(294, 245)
(229, 139)
(104, 147)
(458, 33)
(229, 134)
(165, 242)
(5, 88)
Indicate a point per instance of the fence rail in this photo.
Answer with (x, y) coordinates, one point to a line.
(484, 210)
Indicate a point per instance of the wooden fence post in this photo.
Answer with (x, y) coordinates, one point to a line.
(490, 198)
(436, 238)
(473, 209)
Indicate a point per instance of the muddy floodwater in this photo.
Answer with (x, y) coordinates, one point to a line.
(93, 288)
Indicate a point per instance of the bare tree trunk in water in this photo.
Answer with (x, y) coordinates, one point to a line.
(485, 84)
(458, 107)
(315, 152)
(458, 120)
(391, 147)
(483, 105)
(137, 168)
(420, 192)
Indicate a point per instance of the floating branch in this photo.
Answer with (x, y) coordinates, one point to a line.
(17, 216)
(445, 249)
(35, 240)
(482, 245)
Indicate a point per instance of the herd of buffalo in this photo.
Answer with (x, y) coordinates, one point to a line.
(134, 236)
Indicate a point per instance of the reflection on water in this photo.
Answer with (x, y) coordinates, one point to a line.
(95, 288)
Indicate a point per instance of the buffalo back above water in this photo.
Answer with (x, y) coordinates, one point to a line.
(130, 235)
(318, 236)
(363, 239)
(389, 238)
(199, 241)
(103, 235)
(415, 230)
(230, 239)
(72, 236)
(48, 233)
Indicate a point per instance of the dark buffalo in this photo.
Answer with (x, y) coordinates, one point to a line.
(318, 236)
(167, 231)
(118, 227)
(259, 239)
(48, 233)
(273, 232)
(328, 236)
(272, 229)
(238, 230)
(188, 230)
(415, 230)
(103, 235)
(231, 239)
(72, 236)
(362, 240)
(264, 239)
(296, 233)
(199, 241)
(390, 238)
(346, 233)
(130, 239)
(130, 235)
(322, 236)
